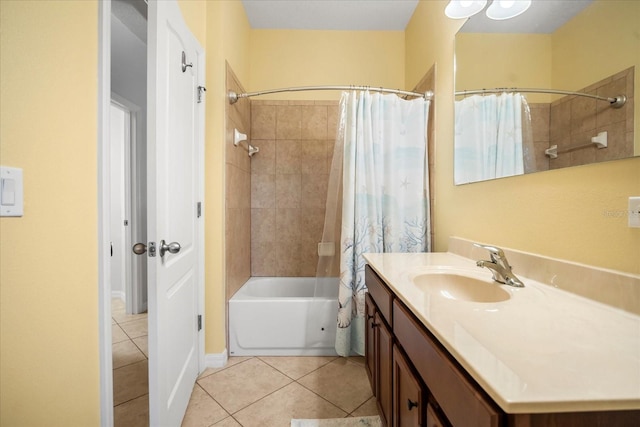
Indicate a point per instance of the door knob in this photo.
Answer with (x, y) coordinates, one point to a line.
(172, 248)
(139, 248)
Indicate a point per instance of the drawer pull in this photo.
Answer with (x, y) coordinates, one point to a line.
(411, 405)
(370, 316)
(373, 325)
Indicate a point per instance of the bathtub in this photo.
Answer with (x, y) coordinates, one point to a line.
(279, 316)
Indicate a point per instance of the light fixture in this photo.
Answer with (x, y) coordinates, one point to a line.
(497, 10)
(507, 9)
(458, 9)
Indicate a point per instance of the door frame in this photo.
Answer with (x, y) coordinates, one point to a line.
(135, 265)
(103, 223)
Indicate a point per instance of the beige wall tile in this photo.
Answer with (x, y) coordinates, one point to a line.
(314, 191)
(265, 161)
(288, 258)
(263, 225)
(313, 157)
(288, 154)
(287, 225)
(263, 259)
(314, 122)
(288, 122)
(263, 191)
(288, 189)
(263, 121)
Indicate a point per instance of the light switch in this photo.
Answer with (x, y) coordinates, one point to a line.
(8, 193)
(634, 212)
(11, 191)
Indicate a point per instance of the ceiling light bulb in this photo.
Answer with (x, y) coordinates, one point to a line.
(458, 9)
(507, 9)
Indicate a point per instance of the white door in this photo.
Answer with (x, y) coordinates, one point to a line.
(174, 181)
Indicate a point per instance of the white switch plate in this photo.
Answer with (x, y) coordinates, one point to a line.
(634, 212)
(11, 198)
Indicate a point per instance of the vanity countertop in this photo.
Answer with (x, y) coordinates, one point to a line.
(543, 350)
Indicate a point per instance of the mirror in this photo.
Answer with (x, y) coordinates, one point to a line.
(587, 46)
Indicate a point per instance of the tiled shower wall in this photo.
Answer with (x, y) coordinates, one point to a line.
(289, 178)
(237, 192)
(573, 120)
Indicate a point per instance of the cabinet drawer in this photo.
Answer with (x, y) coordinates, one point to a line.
(379, 292)
(461, 401)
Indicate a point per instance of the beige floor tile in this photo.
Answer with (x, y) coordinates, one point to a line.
(228, 422)
(130, 382)
(117, 334)
(368, 408)
(143, 344)
(242, 384)
(135, 328)
(297, 367)
(292, 401)
(202, 411)
(234, 360)
(341, 382)
(121, 316)
(134, 413)
(125, 353)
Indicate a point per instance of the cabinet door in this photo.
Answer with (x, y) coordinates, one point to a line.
(369, 342)
(384, 368)
(433, 419)
(408, 396)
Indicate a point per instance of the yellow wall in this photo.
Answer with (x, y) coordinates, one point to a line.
(578, 214)
(286, 58)
(49, 349)
(487, 61)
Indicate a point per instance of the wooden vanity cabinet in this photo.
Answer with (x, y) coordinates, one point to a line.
(378, 358)
(409, 396)
(433, 419)
(408, 370)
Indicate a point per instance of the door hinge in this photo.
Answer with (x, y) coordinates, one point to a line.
(199, 209)
(201, 91)
(199, 322)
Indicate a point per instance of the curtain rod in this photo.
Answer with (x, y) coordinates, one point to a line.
(234, 97)
(615, 102)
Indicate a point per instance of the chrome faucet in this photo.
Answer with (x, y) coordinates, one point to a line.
(499, 266)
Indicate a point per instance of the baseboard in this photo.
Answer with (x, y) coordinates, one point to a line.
(216, 360)
(118, 294)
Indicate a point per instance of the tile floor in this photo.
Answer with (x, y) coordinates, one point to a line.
(247, 392)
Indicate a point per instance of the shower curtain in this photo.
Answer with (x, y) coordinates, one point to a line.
(380, 197)
(489, 137)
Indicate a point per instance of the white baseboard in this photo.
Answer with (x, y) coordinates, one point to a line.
(216, 360)
(118, 294)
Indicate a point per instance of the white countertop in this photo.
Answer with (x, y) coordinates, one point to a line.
(543, 350)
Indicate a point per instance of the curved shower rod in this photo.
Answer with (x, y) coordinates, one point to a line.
(616, 102)
(234, 97)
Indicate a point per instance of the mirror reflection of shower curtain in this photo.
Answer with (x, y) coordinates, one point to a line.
(377, 201)
(491, 138)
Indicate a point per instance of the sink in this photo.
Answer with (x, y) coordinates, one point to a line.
(460, 287)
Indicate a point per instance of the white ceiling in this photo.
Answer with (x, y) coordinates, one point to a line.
(544, 16)
(330, 14)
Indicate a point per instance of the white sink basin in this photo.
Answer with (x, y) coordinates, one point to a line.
(447, 284)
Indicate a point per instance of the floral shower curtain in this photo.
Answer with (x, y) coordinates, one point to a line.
(489, 137)
(385, 195)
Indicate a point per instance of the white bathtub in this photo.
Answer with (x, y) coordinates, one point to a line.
(279, 316)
